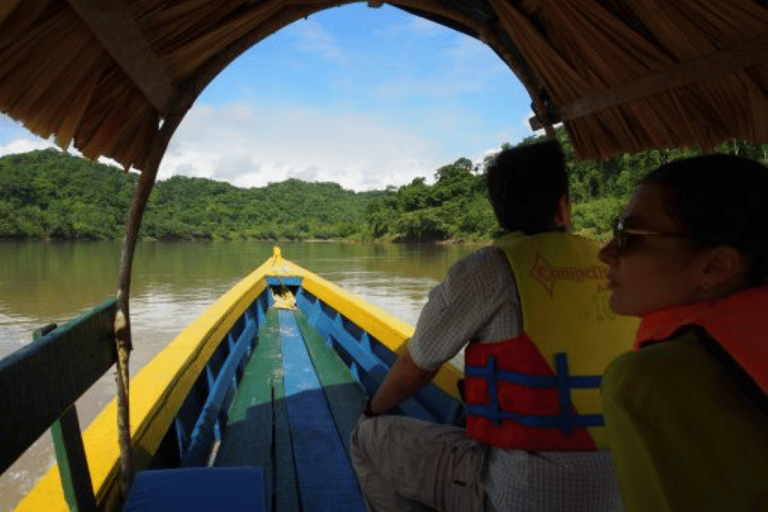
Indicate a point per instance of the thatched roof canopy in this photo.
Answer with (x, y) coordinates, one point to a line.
(622, 75)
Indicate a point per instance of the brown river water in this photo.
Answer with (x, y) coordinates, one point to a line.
(173, 282)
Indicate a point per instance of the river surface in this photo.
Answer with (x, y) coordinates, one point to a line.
(43, 282)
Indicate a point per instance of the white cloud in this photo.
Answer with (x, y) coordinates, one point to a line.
(250, 146)
(23, 145)
(314, 38)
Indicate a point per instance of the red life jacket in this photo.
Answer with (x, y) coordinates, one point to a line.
(738, 323)
(515, 400)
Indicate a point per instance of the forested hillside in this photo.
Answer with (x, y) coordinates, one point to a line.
(51, 195)
(455, 207)
(46, 194)
(193, 208)
(600, 189)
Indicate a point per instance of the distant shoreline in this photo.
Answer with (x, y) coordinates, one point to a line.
(284, 241)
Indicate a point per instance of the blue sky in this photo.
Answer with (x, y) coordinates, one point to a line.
(363, 97)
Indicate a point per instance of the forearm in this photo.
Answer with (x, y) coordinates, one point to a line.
(403, 380)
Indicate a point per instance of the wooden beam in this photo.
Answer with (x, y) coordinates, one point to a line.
(73, 466)
(737, 58)
(113, 25)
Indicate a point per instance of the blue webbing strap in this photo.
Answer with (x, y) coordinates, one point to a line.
(565, 420)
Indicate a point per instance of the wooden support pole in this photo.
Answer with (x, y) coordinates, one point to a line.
(123, 341)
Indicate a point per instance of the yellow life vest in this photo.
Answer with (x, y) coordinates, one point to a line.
(540, 391)
(688, 431)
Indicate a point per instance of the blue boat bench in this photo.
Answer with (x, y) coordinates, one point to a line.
(197, 489)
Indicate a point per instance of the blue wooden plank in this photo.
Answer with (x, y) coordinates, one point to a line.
(326, 480)
(364, 357)
(257, 431)
(284, 281)
(369, 363)
(203, 433)
(371, 370)
(345, 396)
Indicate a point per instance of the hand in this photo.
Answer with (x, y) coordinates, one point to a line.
(367, 412)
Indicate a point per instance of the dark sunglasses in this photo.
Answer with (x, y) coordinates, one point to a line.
(624, 237)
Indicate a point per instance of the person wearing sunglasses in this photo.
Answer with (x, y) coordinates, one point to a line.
(687, 410)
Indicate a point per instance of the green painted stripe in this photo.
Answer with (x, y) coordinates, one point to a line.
(73, 467)
(286, 492)
(344, 393)
(256, 421)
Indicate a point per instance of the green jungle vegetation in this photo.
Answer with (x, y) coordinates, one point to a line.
(52, 195)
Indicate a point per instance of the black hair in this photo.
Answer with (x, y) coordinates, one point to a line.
(720, 200)
(525, 184)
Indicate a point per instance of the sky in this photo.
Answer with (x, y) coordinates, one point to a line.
(367, 98)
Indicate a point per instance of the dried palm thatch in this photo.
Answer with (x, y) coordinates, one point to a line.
(622, 75)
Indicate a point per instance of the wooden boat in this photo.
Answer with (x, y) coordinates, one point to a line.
(273, 375)
(116, 77)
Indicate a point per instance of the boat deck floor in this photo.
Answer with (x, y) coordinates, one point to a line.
(293, 413)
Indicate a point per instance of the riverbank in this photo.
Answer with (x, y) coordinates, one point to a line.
(351, 240)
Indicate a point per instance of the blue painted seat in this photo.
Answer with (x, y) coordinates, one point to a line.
(197, 489)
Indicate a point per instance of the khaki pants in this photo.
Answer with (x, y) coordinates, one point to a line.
(407, 464)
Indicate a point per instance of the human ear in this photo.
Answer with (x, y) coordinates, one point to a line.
(724, 272)
(563, 215)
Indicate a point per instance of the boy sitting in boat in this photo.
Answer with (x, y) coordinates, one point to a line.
(531, 313)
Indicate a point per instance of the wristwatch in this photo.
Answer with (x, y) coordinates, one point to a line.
(367, 411)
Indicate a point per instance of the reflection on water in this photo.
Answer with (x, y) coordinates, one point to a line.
(172, 284)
